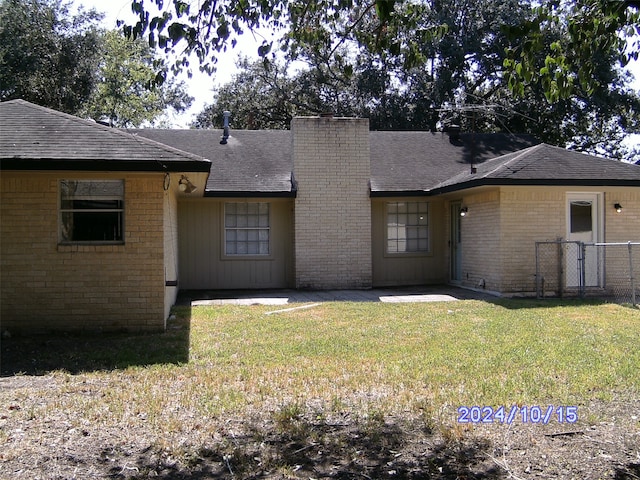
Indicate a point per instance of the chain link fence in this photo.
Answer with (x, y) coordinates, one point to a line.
(570, 268)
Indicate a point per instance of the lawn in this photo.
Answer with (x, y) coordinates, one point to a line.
(219, 370)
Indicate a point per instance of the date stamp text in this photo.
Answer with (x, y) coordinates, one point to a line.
(516, 413)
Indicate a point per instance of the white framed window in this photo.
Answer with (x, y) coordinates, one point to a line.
(246, 228)
(91, 211)
(407, 227)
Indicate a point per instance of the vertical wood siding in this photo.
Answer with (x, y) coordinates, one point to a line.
(409, 269)
(202, 261)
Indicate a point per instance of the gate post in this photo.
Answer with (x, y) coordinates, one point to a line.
(631, 277)
(583, 277)
(560, 245)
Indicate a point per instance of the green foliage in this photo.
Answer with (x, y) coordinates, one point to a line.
(586, 31)
(462, 79)
(397, 29)
(127, 94)
(66, 62)
(48, 56)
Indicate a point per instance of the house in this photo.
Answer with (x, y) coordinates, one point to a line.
(88, 223)
(326, 205)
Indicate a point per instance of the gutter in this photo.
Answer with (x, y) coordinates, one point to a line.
(481, 182)
(194, 166)
(248, 194)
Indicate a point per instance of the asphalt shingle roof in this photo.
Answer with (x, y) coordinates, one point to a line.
(547, 165)
(418, 161)
(252, 161)
(35, 137)
(260, 162)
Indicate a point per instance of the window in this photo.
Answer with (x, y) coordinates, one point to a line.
(407, 227)
(91, 210)
(246, 228)
(581, 220)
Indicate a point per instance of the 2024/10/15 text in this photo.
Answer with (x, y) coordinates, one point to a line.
(534, 414)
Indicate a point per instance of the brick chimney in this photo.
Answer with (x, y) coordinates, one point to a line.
(331, 164)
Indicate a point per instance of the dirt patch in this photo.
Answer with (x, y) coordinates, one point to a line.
(42, 441)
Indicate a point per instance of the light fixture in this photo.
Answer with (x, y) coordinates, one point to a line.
(618, 207)
(464, 211)
(185, 185)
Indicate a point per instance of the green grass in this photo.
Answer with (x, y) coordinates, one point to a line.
(369, 359)
(396, 356)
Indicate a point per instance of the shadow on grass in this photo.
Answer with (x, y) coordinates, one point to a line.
(317, 449)
(526, 303)
(79, 352)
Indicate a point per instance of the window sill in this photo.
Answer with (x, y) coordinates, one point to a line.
(91, 247)
(246, 257)
(408, 255)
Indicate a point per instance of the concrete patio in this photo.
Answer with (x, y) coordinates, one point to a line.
(289, 296)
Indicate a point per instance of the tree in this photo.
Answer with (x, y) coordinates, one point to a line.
(48, 56)
(589, 30)
(462, 80)
(395, 27)
(124, 95)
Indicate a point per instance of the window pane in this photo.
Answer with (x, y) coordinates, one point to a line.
(252, 221)
(93, 226)
(252, 208)
(581, 220)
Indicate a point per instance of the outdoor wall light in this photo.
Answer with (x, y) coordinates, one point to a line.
(464, 211)
(185, 185)
(618, 207)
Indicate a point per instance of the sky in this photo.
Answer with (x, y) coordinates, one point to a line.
(200, 85)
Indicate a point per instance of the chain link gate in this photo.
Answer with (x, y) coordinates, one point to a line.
(572, 268)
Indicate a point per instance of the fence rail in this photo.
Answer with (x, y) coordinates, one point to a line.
(571, 268)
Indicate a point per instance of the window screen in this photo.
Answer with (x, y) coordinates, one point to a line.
(246, 228)
(407, 227)
(91, 210)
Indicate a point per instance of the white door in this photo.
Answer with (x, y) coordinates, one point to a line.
(583, 225)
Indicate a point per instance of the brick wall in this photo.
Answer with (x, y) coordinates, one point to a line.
(528, 215)
(332, 208)
(623, 226)
(480, 235)
(45, 285)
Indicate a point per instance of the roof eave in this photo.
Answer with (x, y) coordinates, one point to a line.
(398, 193)
(248, 194)
(28, 164)
(534, 182)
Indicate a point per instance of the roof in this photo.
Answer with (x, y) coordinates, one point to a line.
(253, 162)
(260, 162)
(38, 138)
(545, 165)
(412, 162)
